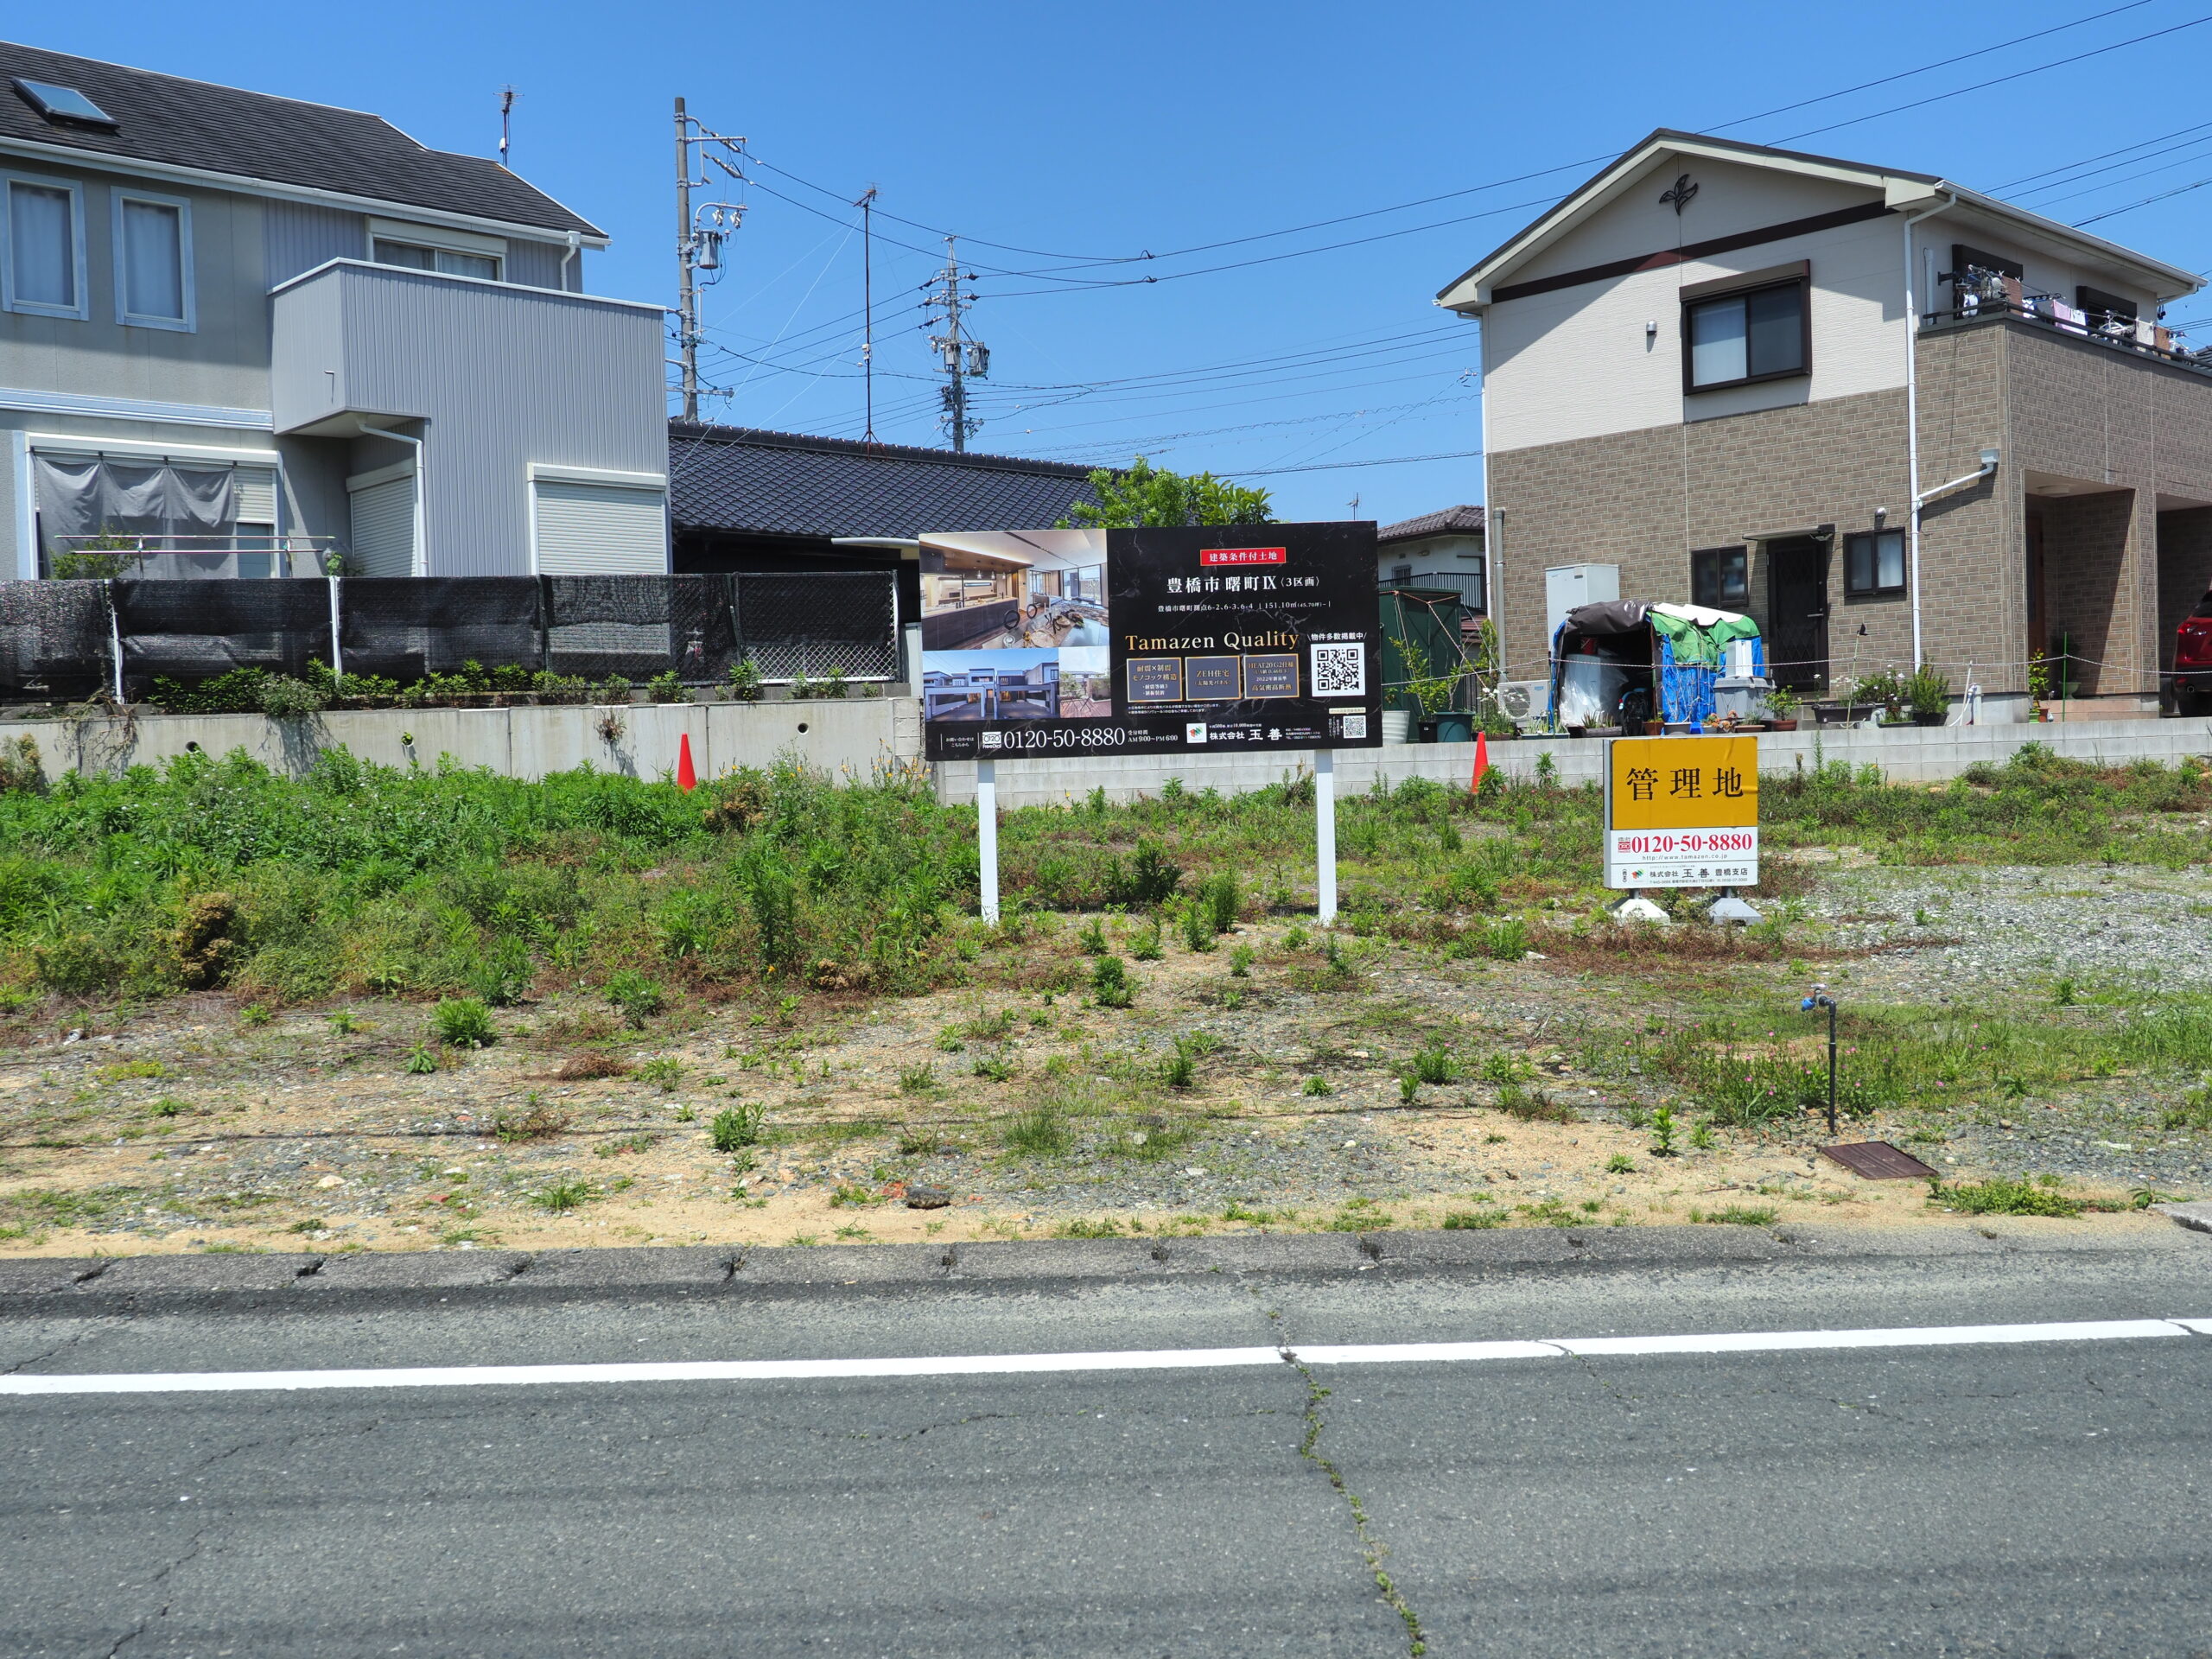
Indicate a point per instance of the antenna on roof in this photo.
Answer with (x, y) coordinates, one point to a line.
(506, 108)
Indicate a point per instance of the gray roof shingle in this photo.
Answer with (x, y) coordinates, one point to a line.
(279, 140)
(740, 479)
(1447, 521)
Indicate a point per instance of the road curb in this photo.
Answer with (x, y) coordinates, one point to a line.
(43, 1282)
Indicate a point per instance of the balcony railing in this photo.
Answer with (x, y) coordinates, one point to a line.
(2136, 337)
(244, 553)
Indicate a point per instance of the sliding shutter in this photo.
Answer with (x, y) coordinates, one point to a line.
(600, 530)
(253, 493)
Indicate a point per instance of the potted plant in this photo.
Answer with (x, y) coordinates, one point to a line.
(1782, 706)
(1929, 691)
(2039, 689)
(745, 681)
(1883, 691)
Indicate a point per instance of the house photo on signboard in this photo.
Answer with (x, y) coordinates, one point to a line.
(1149, 640)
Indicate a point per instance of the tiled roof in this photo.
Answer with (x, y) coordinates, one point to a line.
(221, 129)
(1461, 521)
(777, 483)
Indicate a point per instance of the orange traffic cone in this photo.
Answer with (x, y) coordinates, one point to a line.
(1482, 761)
(687, 777)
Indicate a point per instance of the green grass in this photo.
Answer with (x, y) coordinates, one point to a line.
(1736, 1215)
(2001, 1196)
(735, 1127)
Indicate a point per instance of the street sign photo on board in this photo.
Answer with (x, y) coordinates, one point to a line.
(1682, 812)
(1153, 640)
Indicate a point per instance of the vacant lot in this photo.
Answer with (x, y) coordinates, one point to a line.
(383, 1009)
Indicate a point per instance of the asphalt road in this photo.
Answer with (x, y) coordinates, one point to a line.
(2046, 1498)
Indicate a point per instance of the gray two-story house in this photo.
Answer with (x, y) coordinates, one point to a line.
(241, 333)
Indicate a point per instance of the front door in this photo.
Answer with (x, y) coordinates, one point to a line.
(1798, 614)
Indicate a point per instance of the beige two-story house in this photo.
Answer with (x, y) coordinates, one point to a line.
(1895, 420)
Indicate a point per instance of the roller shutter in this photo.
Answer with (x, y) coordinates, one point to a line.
(600, 530)
(254, 491)
(384, 529)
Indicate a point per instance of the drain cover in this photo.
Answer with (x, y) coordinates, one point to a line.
(1877, 1160)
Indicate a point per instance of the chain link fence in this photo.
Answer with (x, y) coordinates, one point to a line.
(69, 638)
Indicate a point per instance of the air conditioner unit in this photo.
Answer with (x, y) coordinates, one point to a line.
(1519, 700)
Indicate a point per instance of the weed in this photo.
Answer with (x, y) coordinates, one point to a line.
(1240, 958)
(664, 1069)
(918, 1079)
(1550, 1213)
(463, 1022)
(849, 1196)
(168, 1108)
(1701, 1134)
(254, 1014)
(129, 1069)
(1092, 939)
(1458, 1220)
(735, 1127)
(1662, 1131)
(635, 997)
(1620, 1164)
(1507, 938)
(1037, 1133)
(1102, 1227)
(1199, 931)
(538, 1122)
(1179, 1068)
(422, 1060)
(996, 1067)
(853, 1232)
(1436, 1063)
(1110, 985)
(642, 1141)
(344, 1024)
(1317, 1085)
(2194, 1113)
(1409, 1088)
(2062, 994)
(1144, 942)
(1735, 1214)
(2000, 1195)
(1499, 1066)
(564, 1195)
(1535, 1106)
(1221, 898)
(983, 1027)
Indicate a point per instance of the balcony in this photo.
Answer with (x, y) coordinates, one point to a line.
(2004, 299)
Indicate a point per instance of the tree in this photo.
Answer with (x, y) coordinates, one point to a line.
(1146, 494)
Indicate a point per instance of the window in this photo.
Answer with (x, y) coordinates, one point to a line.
(416, 257)
(1721, 578)
(1873, 562)
(153, 261)
(44, 271)
(1755, 333)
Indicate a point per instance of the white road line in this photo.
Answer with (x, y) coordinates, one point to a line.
(1156, 1359)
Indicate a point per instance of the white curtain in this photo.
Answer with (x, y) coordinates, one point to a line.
(153, 261)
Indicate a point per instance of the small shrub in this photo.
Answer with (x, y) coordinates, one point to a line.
(736, 1127)
(1436, 1063)
(1110, 986)
(667, 688)
(745, 681)
(1198, 927)
(1222, 899)
(285, 698)
(1241, 959)
(1663, 1128)
(635, 997)
(2000, 1196)
(1146, 880)
(1144, 943)
(1506, 939)
(463, 1022)
(422, 1060)
(502, 977)
(664, 1069)
(1179, 1069)
(1092, 939)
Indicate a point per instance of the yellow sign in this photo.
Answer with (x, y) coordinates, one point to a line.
(1683, 783)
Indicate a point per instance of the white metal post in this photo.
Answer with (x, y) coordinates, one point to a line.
(1324, 828)
(987, 834)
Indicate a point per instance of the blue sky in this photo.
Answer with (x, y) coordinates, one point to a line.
(1088, 134)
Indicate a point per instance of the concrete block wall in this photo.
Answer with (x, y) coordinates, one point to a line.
(850, 739)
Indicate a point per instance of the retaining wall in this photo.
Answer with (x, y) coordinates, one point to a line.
(851, 738)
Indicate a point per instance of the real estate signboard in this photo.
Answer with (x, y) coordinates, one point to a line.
(1150, 641)
(1682, 812)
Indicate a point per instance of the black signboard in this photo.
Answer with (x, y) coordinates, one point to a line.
(1149, 641)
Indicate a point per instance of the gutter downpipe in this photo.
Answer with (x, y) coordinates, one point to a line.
(1912, 416)
(576, 246)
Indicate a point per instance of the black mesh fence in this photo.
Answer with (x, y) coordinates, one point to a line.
(409, 627)
(55, 640)
(191, 630)
(640, 626)
(55, 636)
(809, 624)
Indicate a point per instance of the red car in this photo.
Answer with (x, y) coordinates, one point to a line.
(2193, 661)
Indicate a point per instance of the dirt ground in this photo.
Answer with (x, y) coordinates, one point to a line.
(197, 1124)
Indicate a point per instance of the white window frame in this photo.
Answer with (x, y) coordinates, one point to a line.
(437, 239)
(82, 311)
(189, 323)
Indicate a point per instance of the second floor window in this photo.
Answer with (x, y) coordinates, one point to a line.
(416, 257)
(1734, 338)
(44, 266)
(153, 261)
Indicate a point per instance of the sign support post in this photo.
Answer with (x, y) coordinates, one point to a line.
(1324, 828)
(987, 834)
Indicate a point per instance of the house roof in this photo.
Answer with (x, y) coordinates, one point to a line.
(743, 479)
(1447, 521)
(201, 128)
(1900, 190)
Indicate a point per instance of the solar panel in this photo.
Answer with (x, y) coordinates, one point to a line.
(63, 103)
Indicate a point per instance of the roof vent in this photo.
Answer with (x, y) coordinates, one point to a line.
(63, 105)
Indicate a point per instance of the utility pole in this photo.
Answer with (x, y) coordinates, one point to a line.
(866, 205)
(697, 249)
(964, 359)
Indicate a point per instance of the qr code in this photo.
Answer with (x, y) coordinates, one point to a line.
(1355, 725)
(1339, 670)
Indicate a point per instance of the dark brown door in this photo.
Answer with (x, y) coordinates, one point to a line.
(2038, 619)
(1797, 610)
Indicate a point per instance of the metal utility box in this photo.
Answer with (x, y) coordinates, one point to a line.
(1567, 586)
